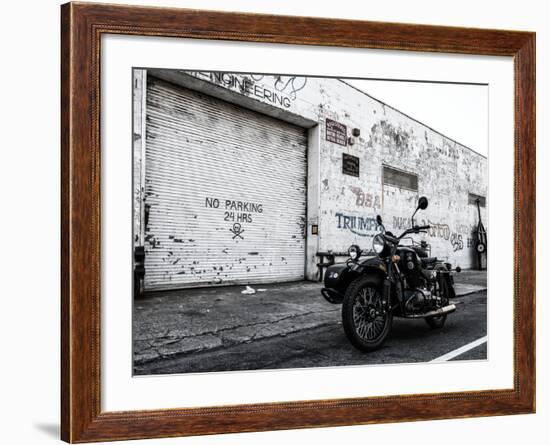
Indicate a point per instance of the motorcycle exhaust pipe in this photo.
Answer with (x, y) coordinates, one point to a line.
(435, 313)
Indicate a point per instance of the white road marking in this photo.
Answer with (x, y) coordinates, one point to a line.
(461, 350)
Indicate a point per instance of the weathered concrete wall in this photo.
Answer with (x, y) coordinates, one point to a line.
(344, 207)
(446, 170)
(139, 79)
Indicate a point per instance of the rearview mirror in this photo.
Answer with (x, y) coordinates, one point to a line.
(423, 203)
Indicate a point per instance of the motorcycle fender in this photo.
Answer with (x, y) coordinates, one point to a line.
(373, 263)
(450, 283)
(443, 274)
(336, 277)
(339, 276)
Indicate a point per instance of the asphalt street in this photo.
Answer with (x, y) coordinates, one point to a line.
(410, 341)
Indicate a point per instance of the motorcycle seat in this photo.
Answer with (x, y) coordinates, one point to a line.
(429, 260)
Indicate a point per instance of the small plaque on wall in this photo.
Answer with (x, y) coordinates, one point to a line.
(350, 165)
(336, 132)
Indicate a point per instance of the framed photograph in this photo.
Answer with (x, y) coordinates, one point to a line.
(275, 222)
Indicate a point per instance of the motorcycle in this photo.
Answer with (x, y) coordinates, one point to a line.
(394, 280)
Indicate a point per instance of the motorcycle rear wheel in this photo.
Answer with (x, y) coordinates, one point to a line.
(366, 322)
(439, 322)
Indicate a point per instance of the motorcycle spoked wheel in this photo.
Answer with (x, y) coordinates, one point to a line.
(365, 325)
(439, 322)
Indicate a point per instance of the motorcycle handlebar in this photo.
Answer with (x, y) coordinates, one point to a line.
(391, 239)
(415, 229)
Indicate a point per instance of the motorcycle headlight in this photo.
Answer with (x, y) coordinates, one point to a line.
(378, 244)
(354, 252)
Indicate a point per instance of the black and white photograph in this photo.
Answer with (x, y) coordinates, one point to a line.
(290, 221)
(242, 223)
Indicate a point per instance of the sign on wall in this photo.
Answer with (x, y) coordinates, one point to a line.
(350, 165)
(336, 132)
(282, 93)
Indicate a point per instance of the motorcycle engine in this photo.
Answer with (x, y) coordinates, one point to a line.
(417, 299)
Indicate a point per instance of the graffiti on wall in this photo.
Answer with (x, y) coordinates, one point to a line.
(443, 231)
(367, 226)
(401, 223)
(285, 84)
(456, 241)
(458, 238)
(359, 225)
(364, 199)
(464, 229)
(438, 230)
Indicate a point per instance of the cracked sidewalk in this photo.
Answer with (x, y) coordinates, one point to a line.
(172, 323)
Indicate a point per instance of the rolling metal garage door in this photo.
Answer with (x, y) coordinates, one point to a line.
(225, 193)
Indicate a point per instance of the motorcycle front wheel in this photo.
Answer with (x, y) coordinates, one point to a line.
(365, 318)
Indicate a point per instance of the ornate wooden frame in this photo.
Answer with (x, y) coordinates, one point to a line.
(81, 28)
